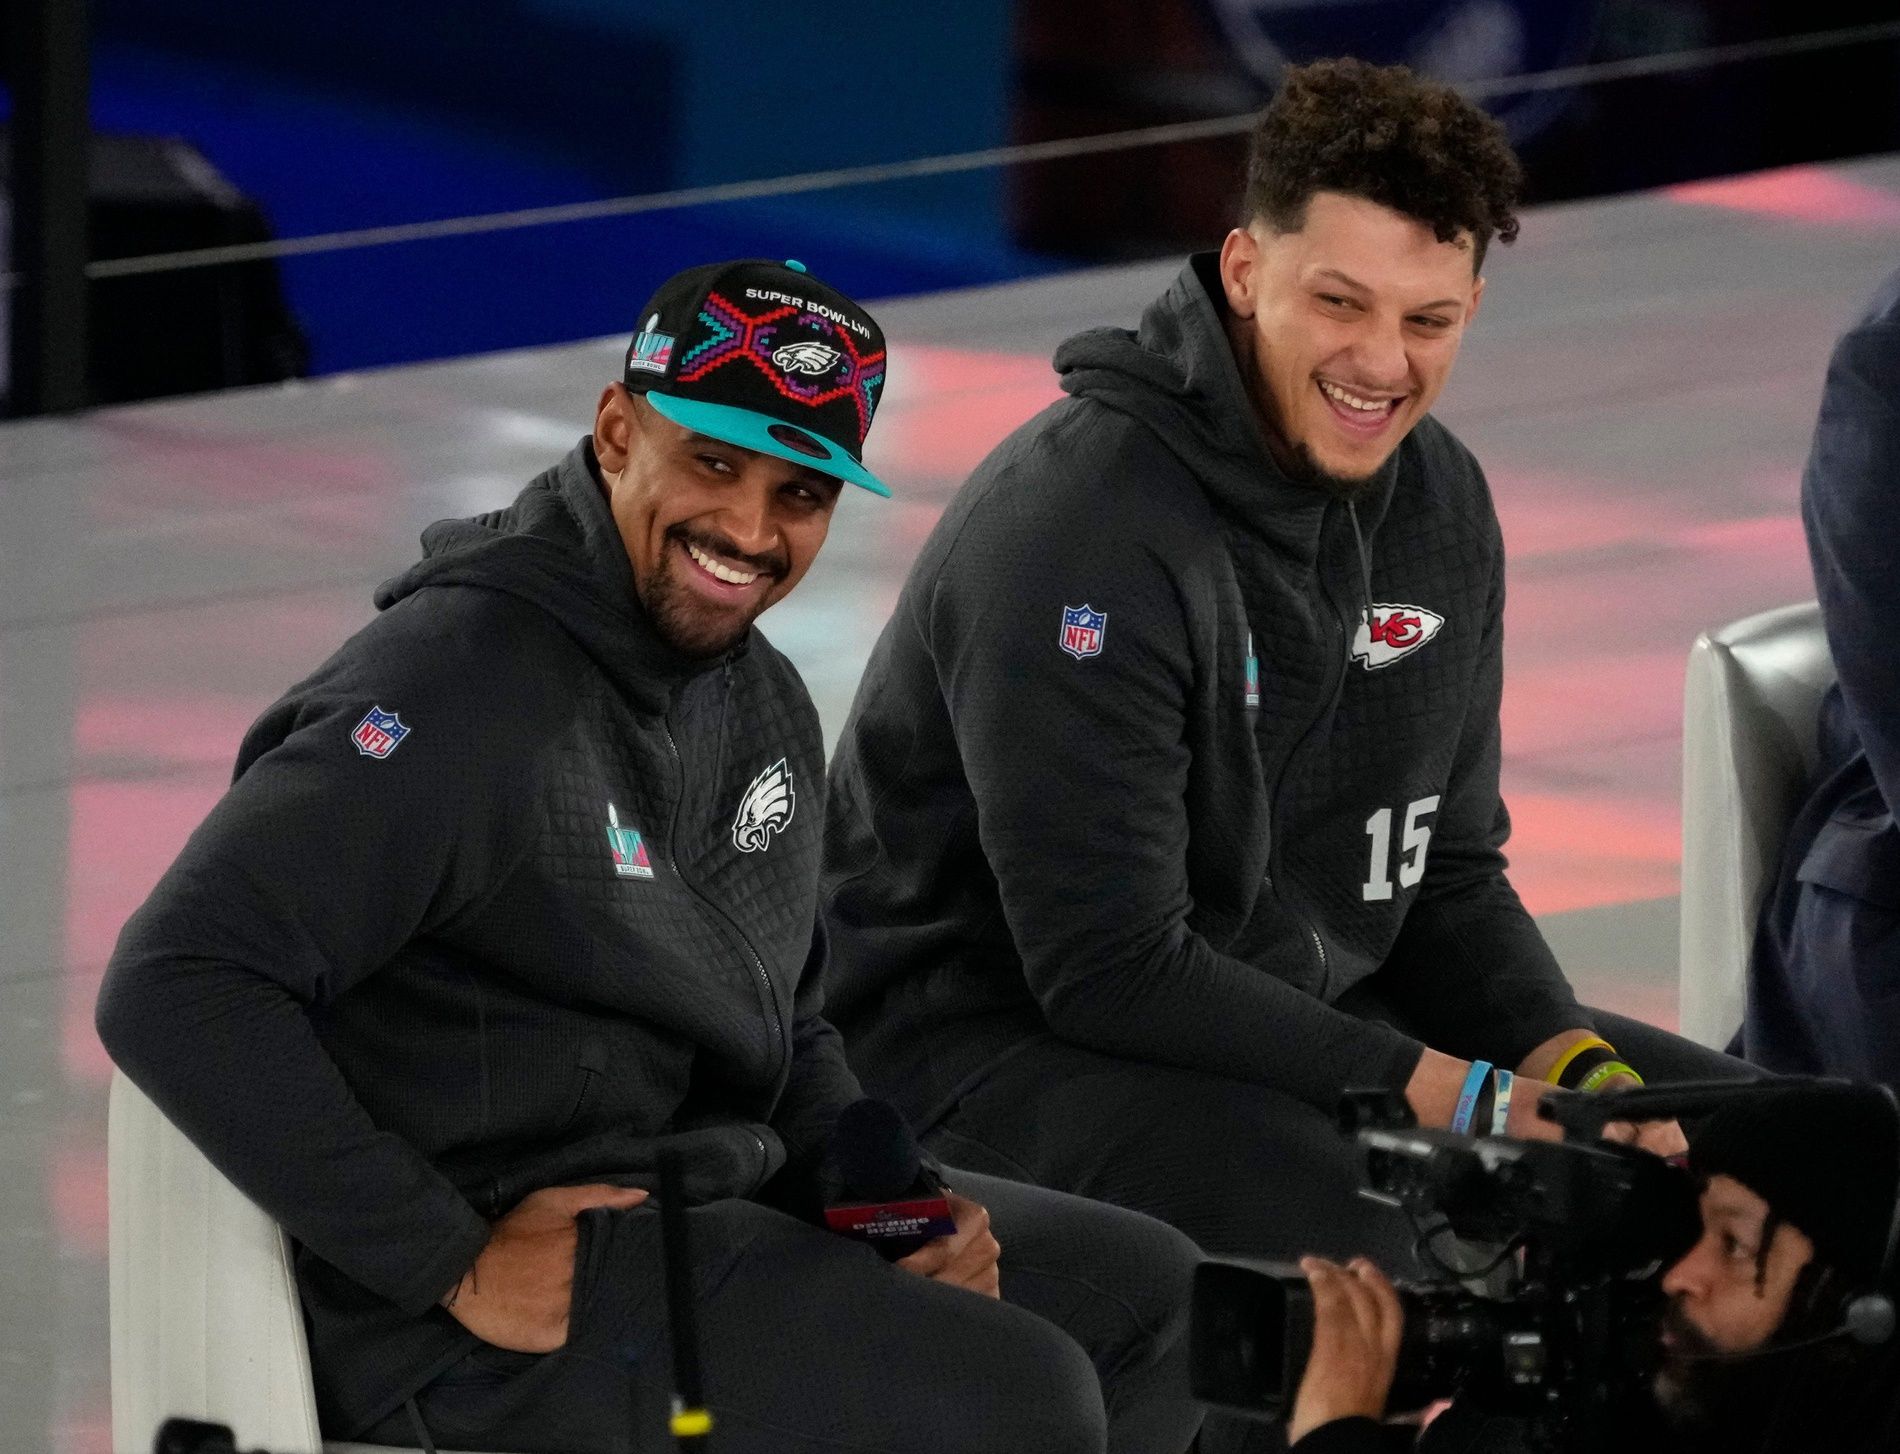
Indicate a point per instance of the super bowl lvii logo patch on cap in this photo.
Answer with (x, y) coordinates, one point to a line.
(652, 350)
(763, 355)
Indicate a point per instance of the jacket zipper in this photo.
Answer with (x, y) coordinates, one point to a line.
(758, 964)
(1336, 690)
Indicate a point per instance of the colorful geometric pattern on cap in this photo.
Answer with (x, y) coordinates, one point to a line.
(733, 335)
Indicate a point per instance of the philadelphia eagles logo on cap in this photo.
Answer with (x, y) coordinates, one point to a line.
(765, 356)
(806, 358)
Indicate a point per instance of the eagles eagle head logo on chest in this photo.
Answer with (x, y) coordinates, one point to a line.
(765, 809)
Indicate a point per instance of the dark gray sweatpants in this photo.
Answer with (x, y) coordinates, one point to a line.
(813, 1345)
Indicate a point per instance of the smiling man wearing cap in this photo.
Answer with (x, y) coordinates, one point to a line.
(518, 891)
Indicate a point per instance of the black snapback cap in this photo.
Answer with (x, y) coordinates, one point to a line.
(762, 355)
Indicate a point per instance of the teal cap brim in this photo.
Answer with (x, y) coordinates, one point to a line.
(754, 431)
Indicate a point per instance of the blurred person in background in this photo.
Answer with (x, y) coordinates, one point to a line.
(518, 891)
(1168, 808)
(1824, 985)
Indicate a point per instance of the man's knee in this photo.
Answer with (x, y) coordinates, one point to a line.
(1143, 1272)
(1050, 1396)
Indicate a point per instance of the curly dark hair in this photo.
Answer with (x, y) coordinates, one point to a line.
(1382, 133)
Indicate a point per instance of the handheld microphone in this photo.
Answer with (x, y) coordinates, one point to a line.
(882, 1193)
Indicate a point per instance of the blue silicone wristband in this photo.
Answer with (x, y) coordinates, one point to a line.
(1468, 1097)
(1501, 1111)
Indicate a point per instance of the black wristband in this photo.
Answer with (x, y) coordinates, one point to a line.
(1582, 1064)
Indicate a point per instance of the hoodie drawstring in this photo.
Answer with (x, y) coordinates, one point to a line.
(1365, 563)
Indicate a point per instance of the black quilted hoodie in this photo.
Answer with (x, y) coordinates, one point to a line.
(565, 920)
(1117, 833)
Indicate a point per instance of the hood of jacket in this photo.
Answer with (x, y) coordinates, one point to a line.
(558, 547)
(1177, 375)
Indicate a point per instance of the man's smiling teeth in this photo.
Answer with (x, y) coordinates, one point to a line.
(1353, 401)
(724, 572)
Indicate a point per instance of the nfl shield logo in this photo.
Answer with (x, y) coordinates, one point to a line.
(379, 734)
(1082, 630)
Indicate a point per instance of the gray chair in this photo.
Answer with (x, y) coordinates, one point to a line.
(204, 1311)
(1750, 709)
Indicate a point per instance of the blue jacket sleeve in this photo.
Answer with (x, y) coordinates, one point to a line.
(1849, 495)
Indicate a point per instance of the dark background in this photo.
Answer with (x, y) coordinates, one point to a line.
(287, 121)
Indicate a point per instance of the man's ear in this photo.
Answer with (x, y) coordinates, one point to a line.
(614, 426)
(1238, 256)
(1477, 297)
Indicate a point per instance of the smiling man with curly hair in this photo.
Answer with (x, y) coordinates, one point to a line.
(1168, 808)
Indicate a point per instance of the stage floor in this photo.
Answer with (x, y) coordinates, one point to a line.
(1640, 388)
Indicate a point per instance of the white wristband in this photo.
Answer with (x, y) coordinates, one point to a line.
(1501, 1107)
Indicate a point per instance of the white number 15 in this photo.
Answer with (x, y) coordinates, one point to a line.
(1378, 884)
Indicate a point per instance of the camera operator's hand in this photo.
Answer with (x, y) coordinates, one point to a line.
(966, 1258)
(517, 1294)
(1356, 1325)
(1664, 1138)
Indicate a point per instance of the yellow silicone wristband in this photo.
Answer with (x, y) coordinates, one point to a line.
(1563, 1061)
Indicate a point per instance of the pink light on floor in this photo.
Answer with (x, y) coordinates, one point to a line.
(1572, 851)
(123, 836)
(1794, 194)
(202, 730)
(1548, 513)
(1578, 699)
(1778, 537)
(78, 1192)
(200, 463)
(86, 1430)
(949, 407)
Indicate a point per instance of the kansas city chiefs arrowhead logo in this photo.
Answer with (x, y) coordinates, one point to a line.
(806, 358)
(1392, 632)
(765, 809)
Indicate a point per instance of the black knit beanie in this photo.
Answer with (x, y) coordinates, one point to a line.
(1824, 1155)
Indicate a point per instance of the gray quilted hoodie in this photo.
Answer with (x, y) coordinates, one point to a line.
(1181, 833)
(566, 919)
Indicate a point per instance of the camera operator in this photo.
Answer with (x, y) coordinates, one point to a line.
(1779, 1334)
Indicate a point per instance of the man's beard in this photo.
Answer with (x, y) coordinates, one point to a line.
(681, 617)
(1295, 457)
(1303, 469)
(1696, 1379)
(1730, 1401)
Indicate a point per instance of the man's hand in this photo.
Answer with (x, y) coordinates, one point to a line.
(967, 1258)
(516, 1296)
(1664, 1138)
(1356, 1325)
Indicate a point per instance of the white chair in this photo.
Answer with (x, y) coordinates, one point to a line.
(204, 1311)
(1751, 706)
